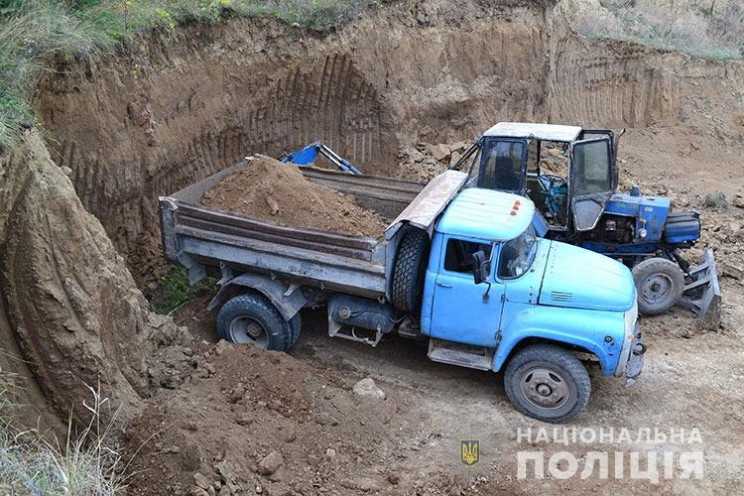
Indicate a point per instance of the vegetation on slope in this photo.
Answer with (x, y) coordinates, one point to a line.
(710, 29)
(32, 464)
(35, 33)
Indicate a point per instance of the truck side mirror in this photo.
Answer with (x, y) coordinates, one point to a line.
(480, 267)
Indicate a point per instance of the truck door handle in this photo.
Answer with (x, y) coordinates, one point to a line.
(443, 284)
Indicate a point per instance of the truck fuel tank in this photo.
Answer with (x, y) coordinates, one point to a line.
(363, 313)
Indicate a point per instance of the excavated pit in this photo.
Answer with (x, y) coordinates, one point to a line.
(393, 84)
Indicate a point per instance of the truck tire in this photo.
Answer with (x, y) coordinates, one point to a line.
(659, 283)
(408, 270)
(251, 318)
(548, 383)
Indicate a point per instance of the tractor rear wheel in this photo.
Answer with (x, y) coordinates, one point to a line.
(660, 283)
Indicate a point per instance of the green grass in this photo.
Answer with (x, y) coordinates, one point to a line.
(174, 290)
(36, 34)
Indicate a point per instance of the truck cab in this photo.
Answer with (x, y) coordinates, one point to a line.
(496, 295)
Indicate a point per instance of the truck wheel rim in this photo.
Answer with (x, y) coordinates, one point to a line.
(657, 288)
(248, 330)
(544, 388)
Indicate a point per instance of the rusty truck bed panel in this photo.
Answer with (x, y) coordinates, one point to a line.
(430, 202)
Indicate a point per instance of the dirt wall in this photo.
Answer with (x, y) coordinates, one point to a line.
(71, 313)
(166, 114)
(169, 112)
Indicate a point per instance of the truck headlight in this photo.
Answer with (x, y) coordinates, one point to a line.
(629, 323)
(630, 319)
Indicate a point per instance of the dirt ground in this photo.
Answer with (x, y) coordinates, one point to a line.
(271, 190)
(402, 91)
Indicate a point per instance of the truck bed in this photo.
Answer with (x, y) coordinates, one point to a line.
(199, 237)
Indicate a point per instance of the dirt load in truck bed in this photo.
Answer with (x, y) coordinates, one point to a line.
(271, 190)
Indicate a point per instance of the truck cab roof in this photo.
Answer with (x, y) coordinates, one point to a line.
(544, 132)
(486, 214)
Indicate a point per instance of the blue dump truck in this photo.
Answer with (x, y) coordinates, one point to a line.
(459, 267)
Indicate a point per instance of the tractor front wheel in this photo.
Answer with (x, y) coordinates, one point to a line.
(660, 284)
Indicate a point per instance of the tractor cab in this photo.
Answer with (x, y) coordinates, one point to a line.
(571, 176)
(568, 172)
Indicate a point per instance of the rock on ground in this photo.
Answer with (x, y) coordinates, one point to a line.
(270, 463)
(366, 388)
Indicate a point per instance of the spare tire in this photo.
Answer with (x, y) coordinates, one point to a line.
(409, 267)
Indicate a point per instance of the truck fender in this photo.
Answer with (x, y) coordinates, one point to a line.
(287, 299)
(514, 338)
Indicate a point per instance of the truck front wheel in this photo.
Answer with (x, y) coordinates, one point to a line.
(251, 318)
(659, 283)
(548, 383)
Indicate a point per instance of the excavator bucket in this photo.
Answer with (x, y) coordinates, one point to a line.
(702, 293)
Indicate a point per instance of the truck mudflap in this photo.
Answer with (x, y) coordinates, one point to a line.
(634, 367)
(702, 293)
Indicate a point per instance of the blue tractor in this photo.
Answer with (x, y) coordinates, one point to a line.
(571, 175)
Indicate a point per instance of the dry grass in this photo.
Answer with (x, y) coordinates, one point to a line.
(712, 29)
(83, 465)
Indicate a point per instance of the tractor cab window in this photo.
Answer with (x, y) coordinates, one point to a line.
(501, 165)
(517, 255)
(474, 170)
(548, 186)
(457, 257)
(592, 172)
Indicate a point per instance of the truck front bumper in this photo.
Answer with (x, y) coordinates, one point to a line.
(634, 367)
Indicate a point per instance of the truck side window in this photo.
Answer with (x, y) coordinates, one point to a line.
(457, 256)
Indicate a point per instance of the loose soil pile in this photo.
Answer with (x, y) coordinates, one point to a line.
(271, 190)
(244, 420)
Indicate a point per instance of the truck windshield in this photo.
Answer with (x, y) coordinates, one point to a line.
(517, 255)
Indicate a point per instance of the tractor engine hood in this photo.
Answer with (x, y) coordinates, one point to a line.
(579, 278)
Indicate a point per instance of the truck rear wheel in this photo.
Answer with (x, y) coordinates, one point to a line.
(659, 283)
(411, 258)
(548, 383)
(251, 318)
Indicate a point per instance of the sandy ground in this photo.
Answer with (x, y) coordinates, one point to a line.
(690, 385)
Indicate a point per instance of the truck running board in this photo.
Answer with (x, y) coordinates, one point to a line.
(464, 355)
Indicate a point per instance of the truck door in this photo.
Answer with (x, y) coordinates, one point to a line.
(460, 313)
(590, 181)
